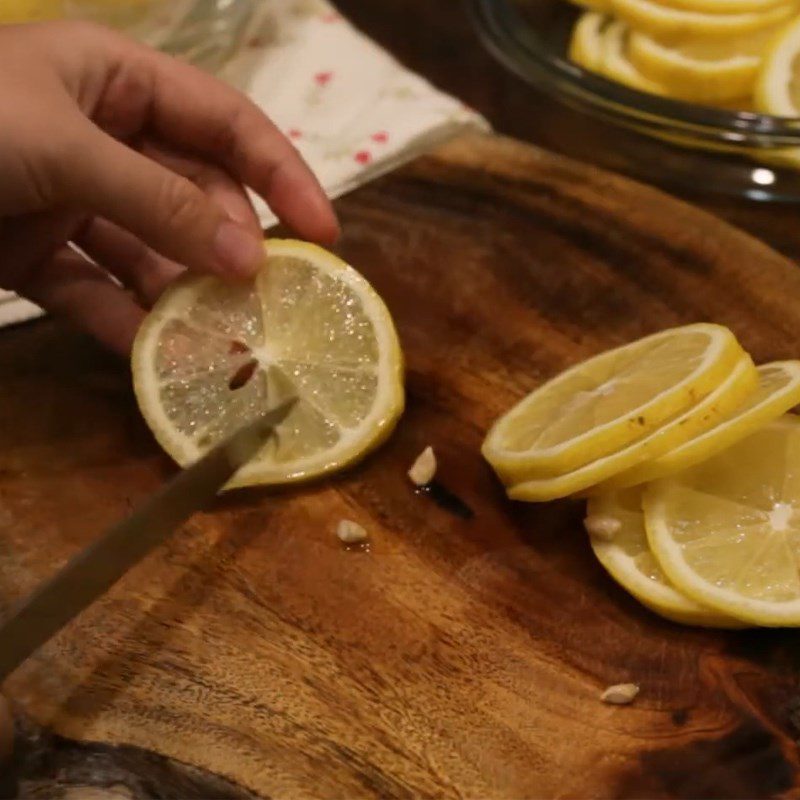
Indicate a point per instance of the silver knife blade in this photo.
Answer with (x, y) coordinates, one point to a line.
(94, 570)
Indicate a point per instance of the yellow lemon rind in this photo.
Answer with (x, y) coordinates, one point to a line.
(714, 441)
(371, 432)
(668, 553)
(660, 597)
(704, 415)
(721, 357)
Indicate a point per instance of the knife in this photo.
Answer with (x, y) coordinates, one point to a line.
(94, 570)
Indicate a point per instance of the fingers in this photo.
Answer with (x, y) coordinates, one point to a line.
(228, 193)
(70, 287)
(193, 111)
(128, 259)
(138, 266)
(166, 210)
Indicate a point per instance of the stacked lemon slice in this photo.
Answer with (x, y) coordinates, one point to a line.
(730, 53)
(692, 466)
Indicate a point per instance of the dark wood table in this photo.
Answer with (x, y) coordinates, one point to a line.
(455, 658)
(252, 655)
(438, 40)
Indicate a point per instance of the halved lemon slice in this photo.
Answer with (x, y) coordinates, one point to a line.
(586, 42)
(708, 412)
(625, 554)
(212, 355)
(662, 21)
(610, 401)
(699, 69)
(778, 391)
(727, 532)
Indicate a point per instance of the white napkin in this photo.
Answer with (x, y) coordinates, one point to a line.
(14, 309)
(350, 108)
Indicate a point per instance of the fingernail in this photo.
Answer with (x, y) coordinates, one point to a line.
(239, 251)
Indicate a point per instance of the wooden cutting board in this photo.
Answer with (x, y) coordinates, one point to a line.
(455, 657)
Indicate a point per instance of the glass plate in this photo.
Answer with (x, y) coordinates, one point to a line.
(664, 141)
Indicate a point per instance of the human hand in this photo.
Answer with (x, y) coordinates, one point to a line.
(139, 160)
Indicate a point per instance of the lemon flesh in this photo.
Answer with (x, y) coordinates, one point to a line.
(211, 356)
(777, 89)
(703, 70)
(722, 402)
(586, 42)
(664, 22)
(626, 556)
(724, 6)
(617, 65)
(602, 405)
(727, 532)
(778, 391)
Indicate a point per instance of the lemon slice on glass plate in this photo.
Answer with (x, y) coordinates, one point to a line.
(727, 532)
(615, 523)
(606, 403)
(617, 65)
(662, 21)
(600, 44)
(776, 90)
(778, 391)
(724, 6)
(586, 42)
(212, 355)
(700, 69)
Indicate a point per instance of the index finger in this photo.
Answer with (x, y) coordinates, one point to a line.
(195, 111)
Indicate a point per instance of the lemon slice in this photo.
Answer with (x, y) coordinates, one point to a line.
(586, 42)
(608, 402)
(708, 412)
(702, 70)
(12, 11)
(626, 556)
(212, 355)
(777, 90)
(662, 21)
(727, 532)
(617, 65)
(724, 6)
(597, 5)
(778, 391)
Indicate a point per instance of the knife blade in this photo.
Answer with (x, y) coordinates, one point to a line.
(98, 567)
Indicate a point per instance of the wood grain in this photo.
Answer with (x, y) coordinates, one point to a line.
(453, 657)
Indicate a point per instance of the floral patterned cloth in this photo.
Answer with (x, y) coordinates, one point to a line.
(350, 108)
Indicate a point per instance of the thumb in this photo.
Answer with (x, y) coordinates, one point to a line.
(164, 209)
